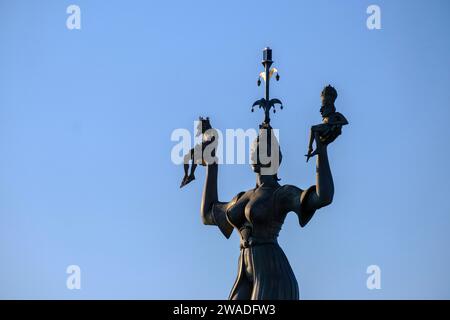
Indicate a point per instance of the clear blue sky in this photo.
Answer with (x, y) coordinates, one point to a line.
(86, 117)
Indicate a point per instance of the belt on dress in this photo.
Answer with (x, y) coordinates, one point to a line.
(253, 242)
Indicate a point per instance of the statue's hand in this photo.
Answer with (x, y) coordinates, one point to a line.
(329, 136)
(209, 146)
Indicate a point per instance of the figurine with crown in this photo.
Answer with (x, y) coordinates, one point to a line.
(333, 121)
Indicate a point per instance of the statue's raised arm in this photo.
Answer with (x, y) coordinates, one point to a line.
(213, 211)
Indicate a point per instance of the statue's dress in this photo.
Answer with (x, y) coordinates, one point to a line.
(263, 269)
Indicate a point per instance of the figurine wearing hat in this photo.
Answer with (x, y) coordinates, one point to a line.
(331, 126)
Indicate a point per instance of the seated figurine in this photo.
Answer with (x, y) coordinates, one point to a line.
(195, 155)
(331, 126)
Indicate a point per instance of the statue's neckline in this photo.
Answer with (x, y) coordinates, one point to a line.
(267, 187)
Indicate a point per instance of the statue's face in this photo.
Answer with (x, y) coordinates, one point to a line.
(327, 105)
(256, 167)
(271, 167)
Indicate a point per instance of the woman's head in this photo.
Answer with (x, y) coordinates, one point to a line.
(265, 152)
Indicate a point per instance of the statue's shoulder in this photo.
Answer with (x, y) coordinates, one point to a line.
(243, 195)
(238, 196)
(288, 192)
(291, 198)
(289, 188)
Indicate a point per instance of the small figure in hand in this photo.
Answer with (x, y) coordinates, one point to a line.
(196, 154)
(332, 124)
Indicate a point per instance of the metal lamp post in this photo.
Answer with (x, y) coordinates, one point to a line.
(266, 103)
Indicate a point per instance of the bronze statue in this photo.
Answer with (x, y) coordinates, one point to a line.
(332, 124)
(258, 214)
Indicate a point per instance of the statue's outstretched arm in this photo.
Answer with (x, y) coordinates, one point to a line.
(322, 193)
(209, 197)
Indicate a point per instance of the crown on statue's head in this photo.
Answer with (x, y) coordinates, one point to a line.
(329, 91)
(203, 125)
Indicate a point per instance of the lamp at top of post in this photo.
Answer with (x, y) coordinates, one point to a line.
(266, 103)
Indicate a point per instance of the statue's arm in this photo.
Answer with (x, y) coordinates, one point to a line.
(305, 202)
(321, 194)
(209, 197)
(214, 212)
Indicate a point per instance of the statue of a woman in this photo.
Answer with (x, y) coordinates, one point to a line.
(257, 215)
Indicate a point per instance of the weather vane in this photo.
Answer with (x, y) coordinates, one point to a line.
(266, 103)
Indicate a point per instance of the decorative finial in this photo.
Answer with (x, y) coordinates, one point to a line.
(266, 103)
